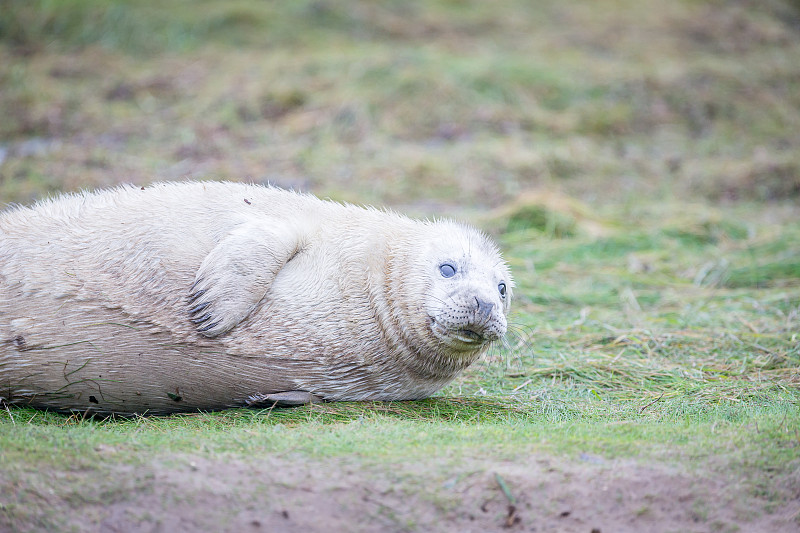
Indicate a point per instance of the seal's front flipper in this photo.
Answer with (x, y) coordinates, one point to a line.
(290, 398)
(237, 273)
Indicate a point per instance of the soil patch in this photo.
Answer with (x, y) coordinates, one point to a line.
(194, 493)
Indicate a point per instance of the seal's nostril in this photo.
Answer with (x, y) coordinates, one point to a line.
(484, 308)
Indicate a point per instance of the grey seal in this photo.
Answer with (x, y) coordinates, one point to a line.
(209, 295)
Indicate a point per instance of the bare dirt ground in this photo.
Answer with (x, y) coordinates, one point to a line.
(586, 494)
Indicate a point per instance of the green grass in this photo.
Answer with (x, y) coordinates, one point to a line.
(87, 457)
(669, 429)
(593, 363)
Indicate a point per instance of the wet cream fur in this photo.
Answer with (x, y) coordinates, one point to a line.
(185, 296)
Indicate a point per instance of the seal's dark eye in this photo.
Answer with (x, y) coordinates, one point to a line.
(502, 289)
(447, 270)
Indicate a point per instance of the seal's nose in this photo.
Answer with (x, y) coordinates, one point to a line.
(483, 309)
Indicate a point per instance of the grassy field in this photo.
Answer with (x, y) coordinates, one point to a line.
(639, 163)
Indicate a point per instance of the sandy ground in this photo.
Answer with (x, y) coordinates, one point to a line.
(294, 494)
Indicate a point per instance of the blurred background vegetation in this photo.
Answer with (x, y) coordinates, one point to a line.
(447, 102)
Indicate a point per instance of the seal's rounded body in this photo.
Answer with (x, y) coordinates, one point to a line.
(200, 295)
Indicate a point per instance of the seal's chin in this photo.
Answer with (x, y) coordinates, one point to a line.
(468, 336)
(468, 339)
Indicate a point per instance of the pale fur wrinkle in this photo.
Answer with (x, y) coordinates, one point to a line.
(185, 296)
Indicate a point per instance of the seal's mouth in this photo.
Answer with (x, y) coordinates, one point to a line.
(469, 336)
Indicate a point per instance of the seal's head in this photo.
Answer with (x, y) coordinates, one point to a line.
(470, 289)
(465, 294)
